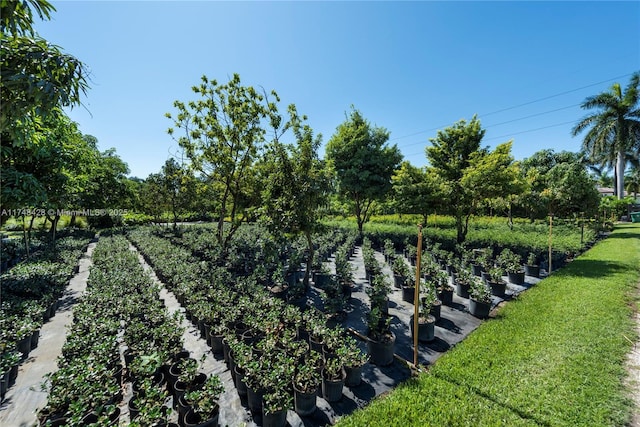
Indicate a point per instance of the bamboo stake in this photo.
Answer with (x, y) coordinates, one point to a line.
(416, 298)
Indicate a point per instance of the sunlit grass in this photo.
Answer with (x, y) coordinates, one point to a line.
(553, 357)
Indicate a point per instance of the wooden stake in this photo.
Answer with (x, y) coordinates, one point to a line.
(416, 298)
(550, 241)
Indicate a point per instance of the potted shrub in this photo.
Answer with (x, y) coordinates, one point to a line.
(412, 253)
(147, 405)
(445, 290)
(429, 300)
(203, 402)
(379, 293)
(389, 250)
(480, 299)
(333, 377)
(353, 360)
(426, 320)
(344, 271)
(532, 268)
(463, 281)
(381, 343)
(276, 402)
(279, 286)
(401, 272)
(496, 284)
(511, 263)
(306, 381)
(481, 261)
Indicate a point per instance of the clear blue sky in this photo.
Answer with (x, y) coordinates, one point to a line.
(411, 67)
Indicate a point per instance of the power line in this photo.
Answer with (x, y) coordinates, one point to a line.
(511, 121)
(530, 130)
(532, 115)
(504, 136)
(519, 105)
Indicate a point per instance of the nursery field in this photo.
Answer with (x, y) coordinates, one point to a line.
(553, 357)
(170, 330)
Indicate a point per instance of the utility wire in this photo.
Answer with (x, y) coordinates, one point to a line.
(518, 106)
(502, 136)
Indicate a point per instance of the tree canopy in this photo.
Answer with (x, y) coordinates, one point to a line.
(362, 162)
(468, 173)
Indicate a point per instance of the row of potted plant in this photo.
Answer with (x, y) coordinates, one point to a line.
(30, 293)
(233, 309)
(119, 312)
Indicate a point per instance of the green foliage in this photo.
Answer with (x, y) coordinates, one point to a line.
(469, 174)
(509, 261)
(363, 163)
(564, 340)
(480, 291)
(415, 191)
(224, 132)
(613, 207)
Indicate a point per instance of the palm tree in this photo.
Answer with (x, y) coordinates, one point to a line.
(614, 133)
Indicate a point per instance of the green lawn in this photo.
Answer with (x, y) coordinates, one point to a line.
(554, 357)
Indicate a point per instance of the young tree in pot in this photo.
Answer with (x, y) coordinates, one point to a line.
(496, 284)
(429, 299)
(445, 290)
(426, 321)
(532, 268)
(381, 343)
(480, 299)
(463, 282)
(401, 272)
(511, 262)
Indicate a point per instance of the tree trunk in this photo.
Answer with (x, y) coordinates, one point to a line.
(24, 235)
(620, 174)
(459, 228)
(307, 270)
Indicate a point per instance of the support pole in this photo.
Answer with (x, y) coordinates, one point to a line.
(416, 298)
(550, 241)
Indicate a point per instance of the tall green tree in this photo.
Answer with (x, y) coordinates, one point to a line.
(559, 183)
(415, 191)
(295, 185)
(36, 80)
(363, 163)
(223, 133)
(178, 189)
(469, 174)
(614, 128)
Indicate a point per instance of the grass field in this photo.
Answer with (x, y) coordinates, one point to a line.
(554, 357)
